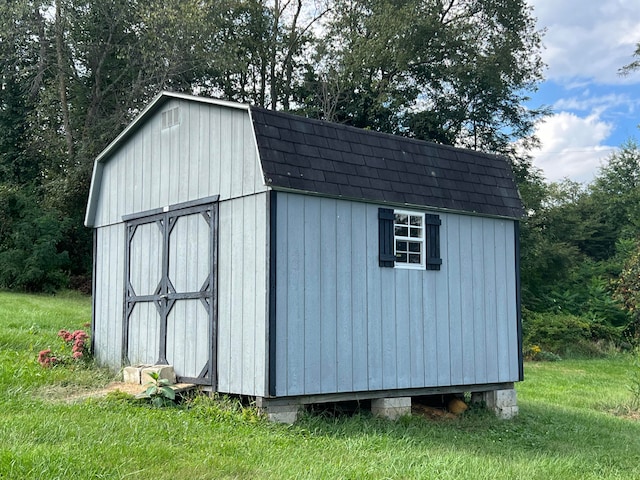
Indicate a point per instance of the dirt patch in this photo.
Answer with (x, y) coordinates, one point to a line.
(74, 393)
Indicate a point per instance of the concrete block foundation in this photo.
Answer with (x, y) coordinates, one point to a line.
(132, 375)
(279, 412)
(504, 403)
(391, 408)
(140, 374)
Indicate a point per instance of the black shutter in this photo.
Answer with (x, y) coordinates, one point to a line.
(385, 237)
(433, 242)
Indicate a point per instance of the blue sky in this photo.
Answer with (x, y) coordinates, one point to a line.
(594, 109)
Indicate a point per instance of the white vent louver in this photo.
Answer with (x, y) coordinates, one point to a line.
(171, 117)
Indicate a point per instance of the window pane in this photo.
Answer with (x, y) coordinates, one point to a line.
(414, 247)
(416, 232)
(401, 257)
(402, 232)
(401, 246)
(416, 220)
(414, 258)
(402, 219)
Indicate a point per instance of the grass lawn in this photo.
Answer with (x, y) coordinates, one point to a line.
(569, 425)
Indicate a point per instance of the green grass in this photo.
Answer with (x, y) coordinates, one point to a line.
(566, 428)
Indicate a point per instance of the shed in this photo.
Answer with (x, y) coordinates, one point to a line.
(300, 261)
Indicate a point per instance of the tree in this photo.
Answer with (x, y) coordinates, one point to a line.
(634, 65)
(454, 71)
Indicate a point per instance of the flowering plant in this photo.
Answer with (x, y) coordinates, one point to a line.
(46, 358)
(77, 341)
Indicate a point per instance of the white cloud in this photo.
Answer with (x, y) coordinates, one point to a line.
(585, 102)
(588, 39)
(572, 146)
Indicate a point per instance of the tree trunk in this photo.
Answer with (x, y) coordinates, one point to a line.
(62, 83)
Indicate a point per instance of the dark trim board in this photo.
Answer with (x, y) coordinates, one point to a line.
(93, 290)
(518, 301)
(406, 392)
(170, 208)
(271, 332)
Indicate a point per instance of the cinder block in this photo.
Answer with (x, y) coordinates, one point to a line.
(164, 372)
(288, 414)
(132, 375)
(277, 412)
(391, 408)
(507, 413)
(503, 402)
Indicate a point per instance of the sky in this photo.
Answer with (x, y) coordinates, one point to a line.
(594, 109)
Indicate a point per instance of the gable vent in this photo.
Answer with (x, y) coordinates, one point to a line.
(170, 117)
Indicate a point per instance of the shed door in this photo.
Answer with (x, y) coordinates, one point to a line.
(170, 313)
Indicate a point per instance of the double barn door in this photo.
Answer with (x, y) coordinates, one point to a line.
(170, 304)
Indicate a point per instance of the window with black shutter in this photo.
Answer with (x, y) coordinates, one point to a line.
(409, 239)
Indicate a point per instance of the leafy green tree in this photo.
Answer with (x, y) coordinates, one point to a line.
(456, 72)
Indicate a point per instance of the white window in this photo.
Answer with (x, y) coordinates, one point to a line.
(409, 239)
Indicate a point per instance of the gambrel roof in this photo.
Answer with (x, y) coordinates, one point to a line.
(323, 158)
(309, 155)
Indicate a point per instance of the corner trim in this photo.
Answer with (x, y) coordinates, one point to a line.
(272, 323)
(516, 229)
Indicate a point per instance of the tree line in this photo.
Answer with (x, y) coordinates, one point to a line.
(74, 73)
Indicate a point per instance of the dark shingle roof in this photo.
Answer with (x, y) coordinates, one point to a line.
(332, 159)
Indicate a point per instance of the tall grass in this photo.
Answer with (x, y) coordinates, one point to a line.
(565, 430)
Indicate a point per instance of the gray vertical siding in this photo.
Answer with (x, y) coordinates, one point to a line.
(109, 295)
(242, 301)
(212, 151)
(346, 324)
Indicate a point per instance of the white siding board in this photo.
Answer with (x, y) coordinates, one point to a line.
(502, 317)
(358, 289)
(443, 324)
(203, 151)
(416, 329)
(343, 299)
(491, 250)
(389, 331)
(509, 275)
(479, 296)
(248, 253)
(311, 269)
(454, 278)
(237, 300)
(430, 331)
(465, 293)
(259, 294)
(402, 348)
(237, 147)
(226, 322)
(108, 309)
(242, 297)
(282, 294)
(248, 152)
(328, 296)
(295, 300)
(374, 307)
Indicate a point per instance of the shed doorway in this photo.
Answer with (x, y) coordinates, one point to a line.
(170, 312)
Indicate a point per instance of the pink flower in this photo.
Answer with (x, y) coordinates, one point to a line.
(77, 355)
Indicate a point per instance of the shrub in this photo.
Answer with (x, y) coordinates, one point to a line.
(567, 335)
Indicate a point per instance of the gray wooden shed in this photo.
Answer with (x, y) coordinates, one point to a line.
(300, 261)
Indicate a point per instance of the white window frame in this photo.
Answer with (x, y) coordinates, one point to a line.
(421, 240)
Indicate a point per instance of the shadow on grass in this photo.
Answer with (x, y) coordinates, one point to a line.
(594, 440)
